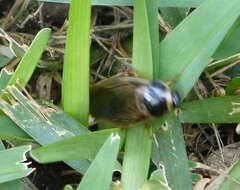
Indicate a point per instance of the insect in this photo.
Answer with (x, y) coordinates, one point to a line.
(124, 100)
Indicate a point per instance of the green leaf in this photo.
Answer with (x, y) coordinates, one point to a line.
(227, 180)
(138, 142)
(232, 181)
(68, 187)
(75, 87)
(44, 124)
(9, 130)
(153, 34)
(186, 50)
(233, 86)
(142, 62)
(211, 110)
(11, 164)
(5, 76)
(158, 174)
(3, 60)
(222, 63)
(233, 71)
(15, 48)
(102, 166)
(1, 146)
(5, 55)
(136, 158)
(230, 44)
(30, 59)
(195, 177)
(6, 52)
(11, 185)
(154, 185)
(169, 152)
(173, 15)
(84, 146)
(162, 3)
(15, 184)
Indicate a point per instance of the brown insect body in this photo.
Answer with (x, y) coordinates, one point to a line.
(123, 101)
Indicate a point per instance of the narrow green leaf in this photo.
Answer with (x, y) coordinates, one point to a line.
(222, 63)
(169, 153)
(68, 187)
(30, 60)
(28, 113)
(186, 50)
(211, 110)
(5, 52)
(5, 55)
(230, 44)
(5, 76)
(234, 70)
(3, 60)
(10, 131)
(138, 142)
(173, 15)
(142, 51)
(11, 167)
(84, 146)
(195, 177)
(232, 182)
(99, 174)
(15, 47)
(136, 158)
(162, 3)
(233, 86)
(154, 185)
(158, 174)
(152, 15)
(159, 177)
(1, 146)
(75, 87)
(15, 184)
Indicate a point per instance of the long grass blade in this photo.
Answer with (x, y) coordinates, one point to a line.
(15, 184)
(229, 45)
(75, 87)
(84, 146)
(232, 181)
(136, 158)
(169, 153)
(138, 141)
(102, 166)
(12, 166)
(30, 59)
(212, 110)
(142, 47)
